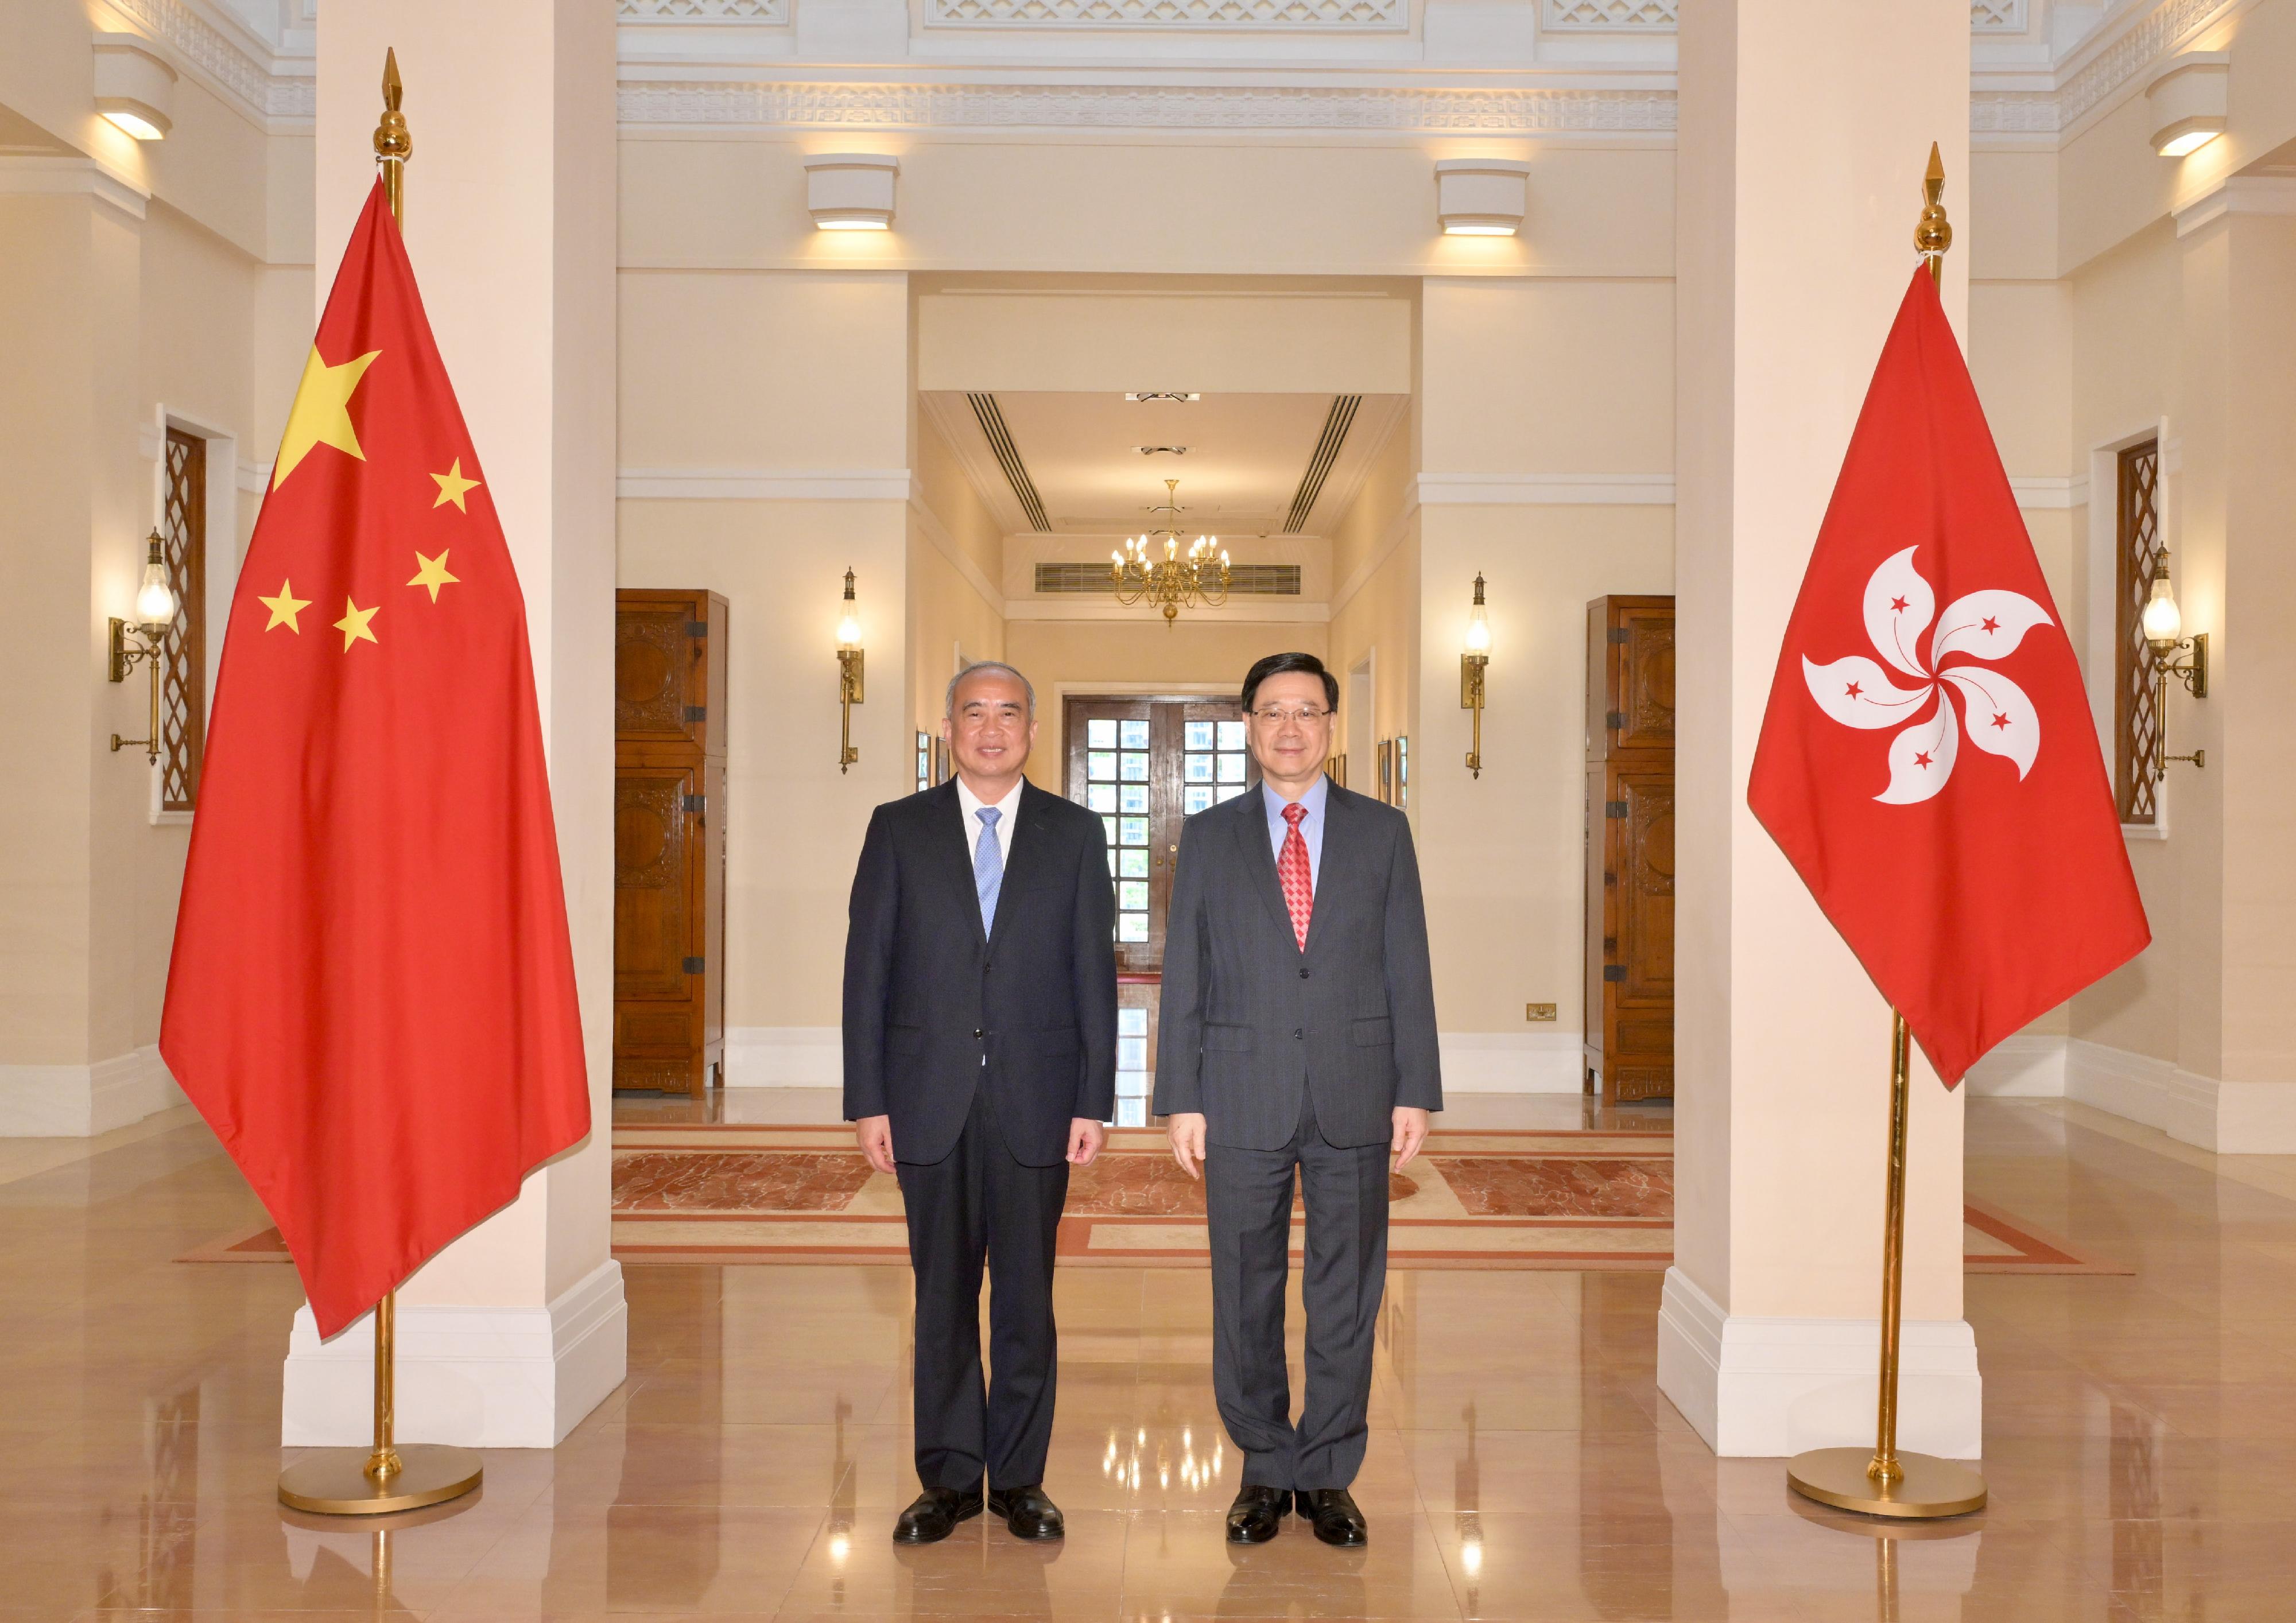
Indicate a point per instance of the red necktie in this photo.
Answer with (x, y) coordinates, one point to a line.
(1299, 879)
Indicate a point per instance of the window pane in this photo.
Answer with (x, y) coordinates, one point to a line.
(1200, 735)
(1132, 1112)
(1132, 927)
(1100, 766)
(1109, 825)
(1136, 798)
(1136, 769)
(1132, 1053)
(1111, 862)
(1102, 797)
(1134, 865)
(1134, 734)
(1200, 768)
(1135, 830)
(1228, 791)
(1132, 896)
(1231, 736)
(1100, 735)
(1231, 769)
(1197, 798)
(1132, 1022)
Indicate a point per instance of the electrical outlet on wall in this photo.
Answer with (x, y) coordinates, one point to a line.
(1538, 1010)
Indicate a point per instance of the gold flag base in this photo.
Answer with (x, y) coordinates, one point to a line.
(336, 1483)
(1929, 1487)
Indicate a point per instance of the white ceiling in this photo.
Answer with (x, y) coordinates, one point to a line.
(1246, 455)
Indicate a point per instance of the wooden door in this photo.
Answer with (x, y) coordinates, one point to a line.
(1629, 1005)
(669, 840)
(1147, 766)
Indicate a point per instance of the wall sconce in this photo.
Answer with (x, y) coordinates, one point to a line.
(1477, 655)
(848, 672)
(2163, 625)
(155, 613)
(850, 191)
(135, 88)
(1481, 197)
(2189, 99)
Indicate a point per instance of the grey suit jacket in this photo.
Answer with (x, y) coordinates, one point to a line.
(1249, 1020)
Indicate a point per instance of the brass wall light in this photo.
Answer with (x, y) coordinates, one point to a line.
(155, 614)
(848, 672)
(2164, 625)
(1472, 661)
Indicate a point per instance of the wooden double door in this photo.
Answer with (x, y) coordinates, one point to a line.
(1629, 1043)
(669, 840)
(1146, 765)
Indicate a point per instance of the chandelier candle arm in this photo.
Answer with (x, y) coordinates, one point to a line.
(1198, 579)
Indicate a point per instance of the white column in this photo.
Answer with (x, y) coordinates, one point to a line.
(516, 1331)
(1805, 127)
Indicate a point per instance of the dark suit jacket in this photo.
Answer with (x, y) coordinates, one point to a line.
(927, 997)
(1249, 1020)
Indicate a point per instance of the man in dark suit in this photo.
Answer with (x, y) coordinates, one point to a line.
(1298, 1032)
(980, 1064)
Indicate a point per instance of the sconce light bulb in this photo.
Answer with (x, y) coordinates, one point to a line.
(849, 632)
(155, 599)
(1478, 630)
(2164, 623)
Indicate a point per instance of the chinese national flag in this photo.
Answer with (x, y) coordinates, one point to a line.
(1927, 761)
(371, 996)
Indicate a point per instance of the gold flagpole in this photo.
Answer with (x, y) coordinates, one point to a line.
(337, 1482)
(1886, 1482)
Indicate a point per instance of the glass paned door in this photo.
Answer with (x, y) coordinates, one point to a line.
(1146, 765)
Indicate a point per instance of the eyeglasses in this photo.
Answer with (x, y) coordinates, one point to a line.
(1306, 716)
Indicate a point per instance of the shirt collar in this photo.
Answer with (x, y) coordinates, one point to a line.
(972, 803)
(1317, 792)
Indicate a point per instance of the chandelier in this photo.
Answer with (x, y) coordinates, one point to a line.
(1175, 581)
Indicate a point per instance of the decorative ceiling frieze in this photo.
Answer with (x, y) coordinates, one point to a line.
(1180, 14)
(775, 11)
(1996, 16)
(250, 80)
(1610, 16)
(653, 102)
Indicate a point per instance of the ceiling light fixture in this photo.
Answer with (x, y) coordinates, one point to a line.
(1175, 450)
(1197, 579)
(850, 191)
(135, 88)
(2189, 98)
(1188, 397)
(1481, 197)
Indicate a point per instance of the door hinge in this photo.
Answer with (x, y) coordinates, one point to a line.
(694, 803)
(697, 712)
(1614, 972)
(1614, 808)
(1619, 633)
(1615, 720)
(693, 966)
(697, 627)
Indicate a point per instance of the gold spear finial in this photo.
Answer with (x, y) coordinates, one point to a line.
(1933, 235)
(393, 146)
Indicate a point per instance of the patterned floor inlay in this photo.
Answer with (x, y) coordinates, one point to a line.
(1579, 1201)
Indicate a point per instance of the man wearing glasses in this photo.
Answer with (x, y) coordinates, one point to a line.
(1298, 1032)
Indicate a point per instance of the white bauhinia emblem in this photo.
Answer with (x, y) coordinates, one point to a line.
(1994, 711)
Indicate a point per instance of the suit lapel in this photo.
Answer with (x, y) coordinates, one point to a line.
(1260, 854)
(1342, 860)
(1031, 842)
(951, 852)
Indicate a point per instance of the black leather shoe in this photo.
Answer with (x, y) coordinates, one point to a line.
(933, 1515)
(1258, 1514)
(1027, 1511)
(1337, 1519)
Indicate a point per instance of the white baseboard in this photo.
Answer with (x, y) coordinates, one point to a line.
(1512, 1062)
(478, 1377)
(1771, 1387)
(1473, 1061)
(81, 1101)
(2223, 1117)
(2021, 1068)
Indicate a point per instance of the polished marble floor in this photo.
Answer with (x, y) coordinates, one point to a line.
(1522, 1464)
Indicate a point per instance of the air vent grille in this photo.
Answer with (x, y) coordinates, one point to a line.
(1244, 579)
(1008, 457)
(1319, 464)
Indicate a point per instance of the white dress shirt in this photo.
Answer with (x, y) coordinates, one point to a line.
(971, 805)
(1311, 826)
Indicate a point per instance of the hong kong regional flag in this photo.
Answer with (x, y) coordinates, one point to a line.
(1927, 761)
(371, 996)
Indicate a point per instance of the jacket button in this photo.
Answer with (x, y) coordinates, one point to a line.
(1299, 1034)
(976, 1031)
(1303, 974)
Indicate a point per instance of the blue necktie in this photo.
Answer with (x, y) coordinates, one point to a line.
(988, 867)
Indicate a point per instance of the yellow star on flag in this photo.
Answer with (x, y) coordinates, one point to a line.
(432, 571)
(451, 487)
(354, 624)
(285, 608)
(321, 415)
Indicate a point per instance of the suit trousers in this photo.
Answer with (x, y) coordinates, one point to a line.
(1247, 1204)
(976, 1203)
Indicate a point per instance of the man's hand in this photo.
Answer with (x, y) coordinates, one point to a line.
(875, 1134)
(1186, 1129)
(1085, 1138)
(1410, 1124)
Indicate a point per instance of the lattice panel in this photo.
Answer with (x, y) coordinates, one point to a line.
(1996, 16)
(182, 659)
(2136, 703)
(702, 11)
(1611, 16)
(1170, 14)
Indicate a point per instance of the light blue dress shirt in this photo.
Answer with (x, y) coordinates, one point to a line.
(1311, 826)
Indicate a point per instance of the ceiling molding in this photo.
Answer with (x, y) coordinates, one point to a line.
(222, 55)
(771, 12)
(762, 485)
(1285, 16)
(37, 174)
(1609, 16)
(1546, 490)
